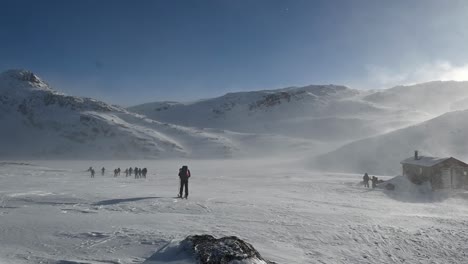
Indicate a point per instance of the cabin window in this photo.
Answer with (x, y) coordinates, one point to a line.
(420, 170)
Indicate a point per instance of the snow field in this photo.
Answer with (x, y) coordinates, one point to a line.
(53, 212)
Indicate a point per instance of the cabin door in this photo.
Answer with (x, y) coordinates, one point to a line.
(458, 178)
(446, 178)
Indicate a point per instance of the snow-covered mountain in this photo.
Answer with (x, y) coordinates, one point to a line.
(39, 122)
(42, 123)
(443, 136)
(318, 112)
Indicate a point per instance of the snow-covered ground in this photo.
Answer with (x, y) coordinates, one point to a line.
(53, 212)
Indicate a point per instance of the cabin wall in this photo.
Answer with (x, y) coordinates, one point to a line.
(417, 174)
(450, 174)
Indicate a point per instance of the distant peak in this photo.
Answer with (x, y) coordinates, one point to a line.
(22, 78)
(22, 75)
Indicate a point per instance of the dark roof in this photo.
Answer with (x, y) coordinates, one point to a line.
(424, 161)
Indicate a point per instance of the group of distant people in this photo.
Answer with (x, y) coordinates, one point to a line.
(366, 180)
(138, 172)
(184, 175)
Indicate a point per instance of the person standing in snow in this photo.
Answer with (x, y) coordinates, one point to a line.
(126, 172)
(374, 182)
(103, 170)
(366, 180)
(92, 172)
(184, 175)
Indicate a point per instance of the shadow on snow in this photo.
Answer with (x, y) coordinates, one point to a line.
(125, 200)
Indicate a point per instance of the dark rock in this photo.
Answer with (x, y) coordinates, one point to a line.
(209, 250)
(390, 186)
(24, 75)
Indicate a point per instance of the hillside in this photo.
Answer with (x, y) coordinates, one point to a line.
(318, 112)
(39, 122)
(435, 97)
(443, 136)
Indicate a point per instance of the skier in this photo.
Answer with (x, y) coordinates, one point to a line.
(366, 180)
(143, 172)
(136, 172)
(102, 171)
(118, 171)
(130, 171)
(126, 172)
(374, 182)
(92, 172)
(184, 175)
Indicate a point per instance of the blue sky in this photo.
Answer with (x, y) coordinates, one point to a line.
(129, 52)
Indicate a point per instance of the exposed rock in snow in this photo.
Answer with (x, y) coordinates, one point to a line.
(205, 249)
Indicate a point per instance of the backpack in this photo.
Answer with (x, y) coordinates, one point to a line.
(184, 172)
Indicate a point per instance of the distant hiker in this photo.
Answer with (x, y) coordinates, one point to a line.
(103, 170)
(366, 180)
(130, 171)
(118, 171)
(115, 172)
(92, 172)
(136, 172)
(126, 172)
(374, 182)
(184, 175)
(143, 172)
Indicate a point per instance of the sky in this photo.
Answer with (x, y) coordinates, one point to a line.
(131, 52)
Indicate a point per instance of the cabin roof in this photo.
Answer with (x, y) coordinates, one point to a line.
(424, 161)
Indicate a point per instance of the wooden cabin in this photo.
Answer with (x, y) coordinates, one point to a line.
(442, 173)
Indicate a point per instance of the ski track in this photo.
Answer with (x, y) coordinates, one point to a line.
(54, 213)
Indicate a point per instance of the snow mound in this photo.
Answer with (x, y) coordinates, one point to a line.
(407, 191)
(205, 249)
